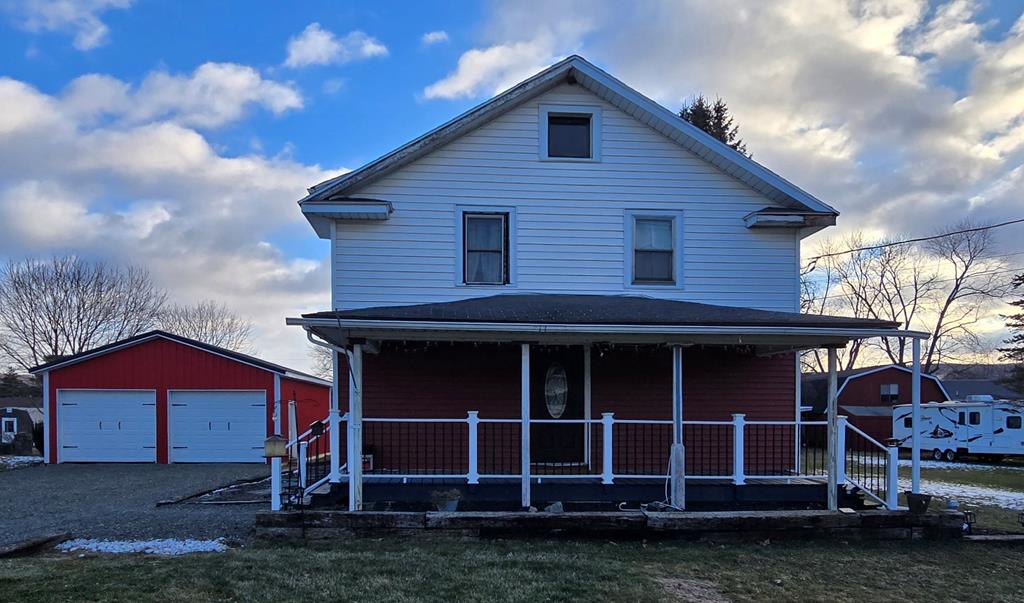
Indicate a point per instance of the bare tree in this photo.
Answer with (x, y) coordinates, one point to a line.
(944, 286)
(320, 357)
(209, 322)
(67, 304)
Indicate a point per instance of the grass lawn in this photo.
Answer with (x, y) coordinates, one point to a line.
(1003, 478)
(394, 569)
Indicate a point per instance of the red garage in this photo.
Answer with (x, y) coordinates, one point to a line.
(159, 397)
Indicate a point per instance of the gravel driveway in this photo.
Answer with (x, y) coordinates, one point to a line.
(119, 501)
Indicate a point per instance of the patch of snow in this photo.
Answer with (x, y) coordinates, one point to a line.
(967, 466)
(13, 462)
(1008, 499)
(160, 546)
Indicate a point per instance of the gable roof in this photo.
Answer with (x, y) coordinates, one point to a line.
(156, 334)
(576, 69)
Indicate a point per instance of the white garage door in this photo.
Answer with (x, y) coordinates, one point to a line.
(217, 426)
(114, 426)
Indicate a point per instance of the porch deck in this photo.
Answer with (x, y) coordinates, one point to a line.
(414, 494)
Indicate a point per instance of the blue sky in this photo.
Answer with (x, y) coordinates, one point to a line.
(178, 135)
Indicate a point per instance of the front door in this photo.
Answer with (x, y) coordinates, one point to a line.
(556, 394)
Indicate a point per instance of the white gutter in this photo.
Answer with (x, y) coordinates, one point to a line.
(599, 329)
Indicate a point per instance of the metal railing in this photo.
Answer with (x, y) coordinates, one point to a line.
(308, 465)
(867, 464)
(605, 449)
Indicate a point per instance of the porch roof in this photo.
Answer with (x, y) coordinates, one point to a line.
(613, 318)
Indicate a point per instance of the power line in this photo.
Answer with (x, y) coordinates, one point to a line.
(814, 259)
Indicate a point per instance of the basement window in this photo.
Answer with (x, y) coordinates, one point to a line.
(570, 133)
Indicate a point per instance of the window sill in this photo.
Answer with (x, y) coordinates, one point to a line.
(571, 159)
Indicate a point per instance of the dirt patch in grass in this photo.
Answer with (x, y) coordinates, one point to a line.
(691, 591)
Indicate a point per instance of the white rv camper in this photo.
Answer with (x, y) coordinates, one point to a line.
(985, 428)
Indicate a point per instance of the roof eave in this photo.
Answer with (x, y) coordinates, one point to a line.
(727, 333)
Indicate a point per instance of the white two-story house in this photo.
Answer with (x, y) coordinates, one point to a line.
(544, 297)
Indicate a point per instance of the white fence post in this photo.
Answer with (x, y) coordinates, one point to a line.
(607, 470)
(738, 423)
(275, 484)
(840, 450)
(473, 420)
(892, 482)
(302, 464)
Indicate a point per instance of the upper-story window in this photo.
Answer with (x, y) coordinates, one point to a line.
(485, 249)
(570, 133)
(653, 251)
(652, 244)
(890, 393)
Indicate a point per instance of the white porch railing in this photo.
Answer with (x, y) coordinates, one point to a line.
(608, 450)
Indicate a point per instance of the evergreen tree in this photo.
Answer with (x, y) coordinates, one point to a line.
(714, 119)
(1015, 350)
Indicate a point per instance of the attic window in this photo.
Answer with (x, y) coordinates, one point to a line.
(570, 133)
(569, 136)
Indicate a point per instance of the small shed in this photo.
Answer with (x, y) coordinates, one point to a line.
(866, 396)
(15, 430)
(159, 397)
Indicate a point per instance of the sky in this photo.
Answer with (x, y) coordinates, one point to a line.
(179, 135)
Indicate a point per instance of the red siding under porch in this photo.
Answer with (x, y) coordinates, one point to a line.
(633, 382)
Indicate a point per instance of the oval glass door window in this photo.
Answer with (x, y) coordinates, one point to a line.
(555, 389)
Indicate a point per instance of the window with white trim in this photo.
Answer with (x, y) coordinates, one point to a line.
(8, 429)
(890, 393)
(653, 249)
(570, 132)
(485, 247)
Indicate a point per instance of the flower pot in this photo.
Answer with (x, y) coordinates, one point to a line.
(918, 503)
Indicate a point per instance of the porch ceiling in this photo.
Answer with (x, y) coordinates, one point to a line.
(554, 318)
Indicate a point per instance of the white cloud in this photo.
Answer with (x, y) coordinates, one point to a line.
(213, 95)
(847, 99)
(318, 46)
(492, 69)
(952, 34)
(434, 37)
(79, 17)
(87, 174)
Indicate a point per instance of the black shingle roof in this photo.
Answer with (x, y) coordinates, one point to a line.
(543, 308)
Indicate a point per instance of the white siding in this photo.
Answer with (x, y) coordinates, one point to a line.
(569, 219)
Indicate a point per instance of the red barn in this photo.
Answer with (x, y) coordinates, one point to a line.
(159, 397)
(866, 395)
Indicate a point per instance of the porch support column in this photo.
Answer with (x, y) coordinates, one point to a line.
(833, 433)
(525, 425)
(677, 456)
(335, 423)
(915, 419)
(355, 428)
